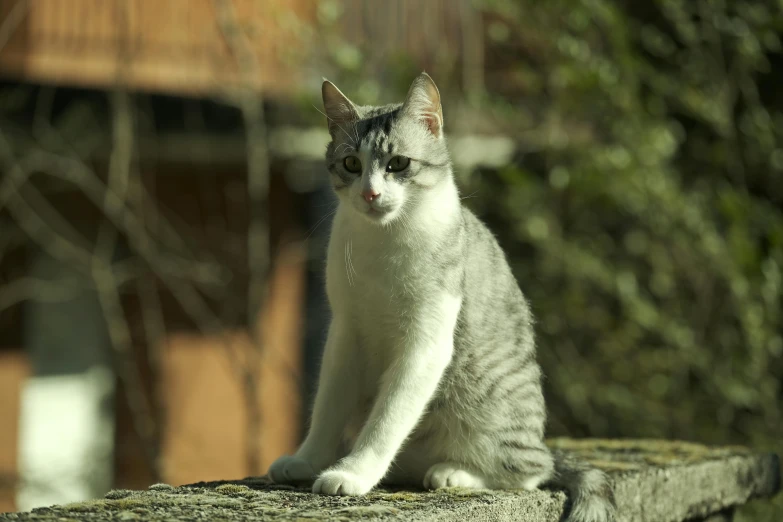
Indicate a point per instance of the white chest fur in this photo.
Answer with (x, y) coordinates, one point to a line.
(379, 281)
(372, 283)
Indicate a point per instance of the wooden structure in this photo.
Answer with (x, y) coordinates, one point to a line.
(198, 47)
(153, 45)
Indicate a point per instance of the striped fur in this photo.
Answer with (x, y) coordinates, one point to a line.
(429, 371)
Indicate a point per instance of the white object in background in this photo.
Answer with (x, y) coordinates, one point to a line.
(66, 438)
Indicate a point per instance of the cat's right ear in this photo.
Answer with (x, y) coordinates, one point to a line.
(423, 104)
(341, 113)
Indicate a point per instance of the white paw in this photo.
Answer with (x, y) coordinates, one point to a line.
(451, 475)
(288, 469)
(342, 483)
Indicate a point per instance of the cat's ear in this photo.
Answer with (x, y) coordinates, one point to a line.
(340, 111)
(423, 104)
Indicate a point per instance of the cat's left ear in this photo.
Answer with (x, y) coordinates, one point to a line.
(340, 111)
(423, 104)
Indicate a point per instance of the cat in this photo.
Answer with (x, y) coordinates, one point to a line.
(429, 370)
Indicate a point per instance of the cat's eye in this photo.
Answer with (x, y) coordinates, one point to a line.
(397, 164)
(352, 164)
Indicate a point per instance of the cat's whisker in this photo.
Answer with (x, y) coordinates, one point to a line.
(347, 270)
(356, 135)
(350, 261)
(406, 222)
(318, 223)
(347, 147)
(340, 126)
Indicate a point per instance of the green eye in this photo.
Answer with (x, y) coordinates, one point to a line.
(352, 164)
(398, 163)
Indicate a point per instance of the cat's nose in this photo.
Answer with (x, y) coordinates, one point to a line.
(370, 195)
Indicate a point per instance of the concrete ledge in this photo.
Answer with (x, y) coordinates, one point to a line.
(654, 481)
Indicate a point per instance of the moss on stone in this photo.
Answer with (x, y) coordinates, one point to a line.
(642, 470)
(129, 503)
(234, 490)
(371, 510)
(84, 507)
(467, 492)
(119, 493)
(613, 466)
(403, 496)
(161, 487)
(618, 455)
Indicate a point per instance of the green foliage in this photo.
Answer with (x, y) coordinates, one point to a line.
(646, 227)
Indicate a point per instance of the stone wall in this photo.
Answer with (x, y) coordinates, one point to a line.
(654, 481)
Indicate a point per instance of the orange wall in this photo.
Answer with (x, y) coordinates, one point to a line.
(207, 417)
(13, 370)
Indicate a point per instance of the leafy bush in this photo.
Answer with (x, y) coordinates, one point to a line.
(646, 225)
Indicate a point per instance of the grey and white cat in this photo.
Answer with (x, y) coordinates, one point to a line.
(429, 371)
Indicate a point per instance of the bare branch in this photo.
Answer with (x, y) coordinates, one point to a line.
(251, 105)
(121, 341)
(12, 21)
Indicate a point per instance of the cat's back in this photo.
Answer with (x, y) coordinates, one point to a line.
(494, 360)
(492, 299)
(494, 335)
(492, 384)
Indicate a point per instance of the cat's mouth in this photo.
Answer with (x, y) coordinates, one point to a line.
(378, 214)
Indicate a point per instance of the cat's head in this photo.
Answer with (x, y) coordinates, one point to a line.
(385, 160)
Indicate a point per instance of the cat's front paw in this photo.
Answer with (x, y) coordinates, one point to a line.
(289, 469)
(339, 482)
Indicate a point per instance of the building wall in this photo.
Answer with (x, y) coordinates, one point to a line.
(13, 370)
(198, 382)
(195, 47)
(205, 434)
(157, 45)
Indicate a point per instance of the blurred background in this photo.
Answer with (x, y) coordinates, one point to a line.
(164, 212)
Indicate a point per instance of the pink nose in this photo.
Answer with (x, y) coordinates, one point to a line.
(370, 195)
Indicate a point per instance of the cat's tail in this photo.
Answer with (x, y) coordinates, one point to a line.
(590, 495)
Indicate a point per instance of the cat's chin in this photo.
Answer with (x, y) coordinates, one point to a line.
(379, 216)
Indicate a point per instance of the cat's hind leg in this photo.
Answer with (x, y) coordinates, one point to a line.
(453, 474)
(482, 461)
(419, 466)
